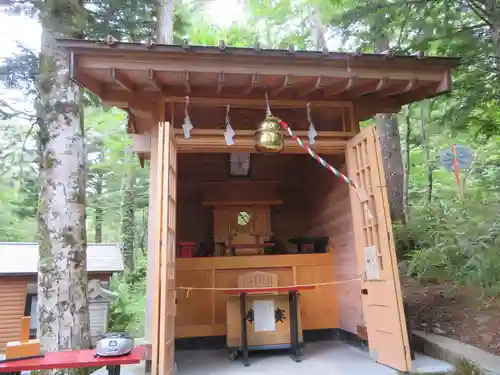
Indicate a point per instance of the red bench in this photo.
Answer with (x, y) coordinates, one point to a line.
(72, 359)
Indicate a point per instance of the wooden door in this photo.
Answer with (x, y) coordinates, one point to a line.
(165, 308)
(380, 288)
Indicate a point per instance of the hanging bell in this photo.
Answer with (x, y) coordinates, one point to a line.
(269, 136)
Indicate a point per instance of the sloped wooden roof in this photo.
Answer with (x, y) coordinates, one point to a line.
(135, 76)
(21, 258)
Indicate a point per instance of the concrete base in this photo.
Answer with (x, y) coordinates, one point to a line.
(325, 358)
(457, 352)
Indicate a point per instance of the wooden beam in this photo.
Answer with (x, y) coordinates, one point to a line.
(187, 84)
(86, 80)
(154, 80)
(382, 84)
(341, 87)
(141, 108)
(253, 84)
(446, 83)
(141, 143)
(212, 141)
(211, 132)
(287, 83)
(397, 89)
(220, 82)
(427, 90)
(317, 86)
(131, 128)
(121, 79)
(252, 103)
(125, 99)
(260, 65)
(367, 88)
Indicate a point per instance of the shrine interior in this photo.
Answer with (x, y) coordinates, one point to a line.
(257, 204)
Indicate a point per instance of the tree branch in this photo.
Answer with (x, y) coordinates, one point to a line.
(478, 11)
(13, 112)
(23, 149)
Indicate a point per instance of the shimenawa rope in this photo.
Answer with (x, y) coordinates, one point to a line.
(189, 289)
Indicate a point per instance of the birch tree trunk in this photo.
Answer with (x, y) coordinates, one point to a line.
(164, 35)
(317, 29)
(165, 22)
(63, 315)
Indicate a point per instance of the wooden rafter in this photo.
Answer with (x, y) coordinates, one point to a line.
(220, 82)
(397, 89)
(90, 82)
(342, 87)
(118, 77)
(125, 99)
(187, 84)
(366, 88)
(308, 90)
(287, 83)
(253, 84)
(154, 80)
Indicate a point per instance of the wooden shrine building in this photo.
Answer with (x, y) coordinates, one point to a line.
(218, 211)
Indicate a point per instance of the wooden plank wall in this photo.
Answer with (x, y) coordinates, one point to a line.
(329, 214)
(203, 313)
(314, 203)
(12, 304)
(195, 223)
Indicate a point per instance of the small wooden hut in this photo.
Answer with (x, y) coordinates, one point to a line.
(230, 200)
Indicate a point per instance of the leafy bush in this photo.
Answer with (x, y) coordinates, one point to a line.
(127, 311)
(453, 241)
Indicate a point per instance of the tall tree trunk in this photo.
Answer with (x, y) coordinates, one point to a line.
(99, 213)
(425, 143)
(164, 35)
(318, 29)
(63, 315)
(390, 142)
(128, 219)
(493, 10)
(392, 157)
(165, 26)
(407, 166)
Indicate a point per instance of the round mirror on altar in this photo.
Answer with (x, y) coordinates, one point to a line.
(243, 218)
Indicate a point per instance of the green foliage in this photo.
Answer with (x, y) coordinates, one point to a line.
(452, 241)
(467, 368)
(443, 28)
(127, 311)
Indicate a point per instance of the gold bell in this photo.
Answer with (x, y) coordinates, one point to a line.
(269, 136)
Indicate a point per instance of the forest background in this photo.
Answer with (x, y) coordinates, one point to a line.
(442, 236)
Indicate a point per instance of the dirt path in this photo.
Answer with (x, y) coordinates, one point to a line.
(455, 313)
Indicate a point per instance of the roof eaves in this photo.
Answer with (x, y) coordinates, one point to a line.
(77, 44)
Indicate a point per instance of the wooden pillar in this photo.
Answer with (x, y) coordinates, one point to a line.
(153, 240)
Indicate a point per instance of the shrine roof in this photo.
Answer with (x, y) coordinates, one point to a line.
(122, 73)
